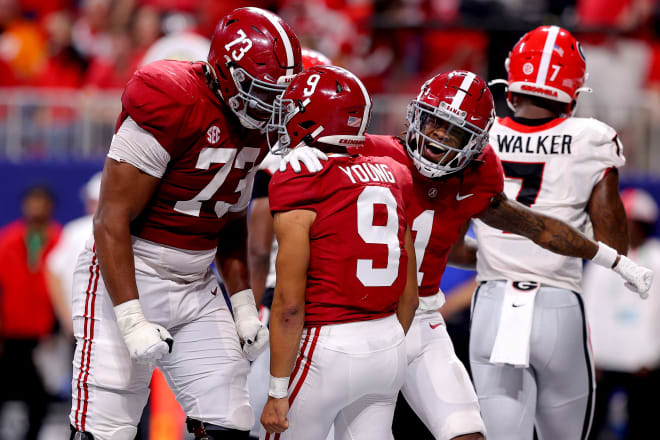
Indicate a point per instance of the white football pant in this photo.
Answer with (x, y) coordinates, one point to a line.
(206, 370)
(437, 386)
(556, 392)
(346, 375)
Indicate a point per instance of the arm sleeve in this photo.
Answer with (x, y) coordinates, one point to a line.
(261, 181)
(490, 178)
(134, 145)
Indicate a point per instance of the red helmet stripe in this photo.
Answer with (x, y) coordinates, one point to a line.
(465, 85)
(274, 20)
(548, 50)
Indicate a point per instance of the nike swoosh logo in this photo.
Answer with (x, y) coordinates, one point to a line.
(214, 292)
(435, 326)
(518, 305)
(460, 197)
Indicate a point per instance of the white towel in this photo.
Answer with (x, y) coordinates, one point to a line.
(513, 334)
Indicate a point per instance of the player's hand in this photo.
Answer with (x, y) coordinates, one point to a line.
(260, 344)
(638, 278)
(273, 417)
(252, 333)
(310, 157)
(146, 342)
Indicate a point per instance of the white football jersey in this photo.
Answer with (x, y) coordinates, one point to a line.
(551, 168)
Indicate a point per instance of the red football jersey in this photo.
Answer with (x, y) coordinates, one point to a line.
(358, 264)
(212, 157)
(438, 208)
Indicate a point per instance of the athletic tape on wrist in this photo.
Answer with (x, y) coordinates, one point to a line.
(605, 256)
(278, 387)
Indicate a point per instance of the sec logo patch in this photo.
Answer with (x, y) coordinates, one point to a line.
(213, 135)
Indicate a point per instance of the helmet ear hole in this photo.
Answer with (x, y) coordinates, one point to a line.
(307, 124)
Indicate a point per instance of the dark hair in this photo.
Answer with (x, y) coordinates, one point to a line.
(38, 190)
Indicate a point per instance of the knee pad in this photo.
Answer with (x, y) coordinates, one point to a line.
(79, 435)
(209, 431)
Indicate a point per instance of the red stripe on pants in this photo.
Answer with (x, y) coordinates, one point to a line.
(86, 348)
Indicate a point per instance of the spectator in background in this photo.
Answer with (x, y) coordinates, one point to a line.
(62, 260)
(113, 71)
(90, 31)
(624, 330)
(64, 66)
(26, 314)
(22, 45)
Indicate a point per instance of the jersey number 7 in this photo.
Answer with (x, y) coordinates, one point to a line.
(531, 176)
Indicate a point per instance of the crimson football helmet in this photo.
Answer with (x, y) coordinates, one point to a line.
(547, 62)
(325, 105)
(311, 58)
(253, 56)
(448, 123)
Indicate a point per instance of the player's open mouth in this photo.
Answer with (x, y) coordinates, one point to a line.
(436, 149)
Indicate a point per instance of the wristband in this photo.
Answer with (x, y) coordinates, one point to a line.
(278, 387)
(605, 256)
(242, 298)
(129, 314)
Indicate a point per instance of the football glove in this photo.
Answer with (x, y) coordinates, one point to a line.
(146, 342)
(310, 157)
(638, 278)
(252, 333)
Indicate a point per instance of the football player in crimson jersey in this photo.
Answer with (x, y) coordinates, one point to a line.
(346, 289)
(174, 193)
(262, 249)
(529, 344)
(261, 245)
(457, 176)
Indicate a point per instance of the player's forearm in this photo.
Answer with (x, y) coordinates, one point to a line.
(60, 299)
(114, 249)
(607, 214)
(259, 267)
(463, 254)
(231, 257)
(547, 232)
(286, 325)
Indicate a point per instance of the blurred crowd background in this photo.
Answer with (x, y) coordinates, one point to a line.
(63, 65)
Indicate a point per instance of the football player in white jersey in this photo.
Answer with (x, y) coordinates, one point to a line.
(529, 344)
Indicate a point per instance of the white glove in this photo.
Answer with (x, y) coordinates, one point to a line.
(252, 333)
(638, 278)
(146, 342)
(310, 157)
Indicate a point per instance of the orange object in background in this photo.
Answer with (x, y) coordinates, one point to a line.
(167, 418)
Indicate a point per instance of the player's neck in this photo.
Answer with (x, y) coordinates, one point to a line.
(528, 110)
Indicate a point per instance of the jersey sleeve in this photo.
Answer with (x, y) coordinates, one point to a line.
(404, 177)
(489, 179)
(288, 191)
(160, 105)
(605, 148)
(134, 145)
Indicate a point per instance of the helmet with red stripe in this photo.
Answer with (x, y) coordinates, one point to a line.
(547, 62)
(311, 58)
(253, 56)
(324, 105)
(448, 123)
